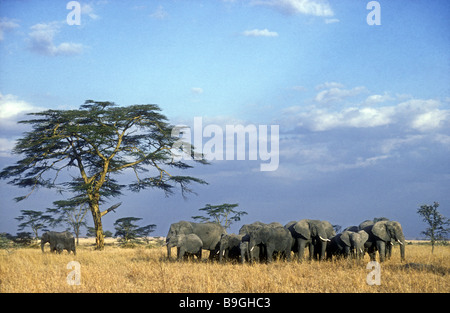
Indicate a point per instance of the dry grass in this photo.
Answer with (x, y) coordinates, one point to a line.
(147, 270)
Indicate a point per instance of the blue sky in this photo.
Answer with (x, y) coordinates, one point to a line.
(363, 111)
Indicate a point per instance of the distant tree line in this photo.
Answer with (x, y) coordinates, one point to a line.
(130, 233)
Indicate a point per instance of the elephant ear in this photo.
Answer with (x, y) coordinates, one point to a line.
(379, 230)
(363, 235)
(302, 228)
(345, 237)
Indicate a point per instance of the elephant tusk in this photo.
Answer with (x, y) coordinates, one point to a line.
(324, 239)
(252, 248)
(400, 242)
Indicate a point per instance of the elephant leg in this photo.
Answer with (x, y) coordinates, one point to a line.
(381, 247)
(388, 250)
(323, 249)
(181, 253)
(301, 249)
(288, 253)
(372, 252)
(269, 251)
(311, 250)
(346, 251)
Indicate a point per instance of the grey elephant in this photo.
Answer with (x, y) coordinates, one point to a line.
(209, 234)
(388, 250)
(187, 245)
(245, 253)
(59, 241)
(347, 243)
(257, 254)
(312, 233)
(382, 235)
(230, 247)
(271, 238)
(59, 248)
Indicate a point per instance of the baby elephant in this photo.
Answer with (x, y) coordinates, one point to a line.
(59, 248)
(187, 245)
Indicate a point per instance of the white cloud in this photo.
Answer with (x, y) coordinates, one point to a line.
(197, 90)
(413, 114)
(430, 120)
(159, 13)
(355, 117)
(307, 7)
(329, 85)
(6, 25)
(331, 20)
(89, 11)
(374, 99)
(11, 106)
(11, 110)
(41, 40)
(6, 146)
(260, 33)
(337, 94)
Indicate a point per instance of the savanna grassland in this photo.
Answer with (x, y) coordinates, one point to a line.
(146, 269)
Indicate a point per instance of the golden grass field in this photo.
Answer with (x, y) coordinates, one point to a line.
(142, 269)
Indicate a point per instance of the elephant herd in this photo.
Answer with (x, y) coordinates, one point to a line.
(260, 242)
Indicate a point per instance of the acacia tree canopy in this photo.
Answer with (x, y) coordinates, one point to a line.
(95, 143)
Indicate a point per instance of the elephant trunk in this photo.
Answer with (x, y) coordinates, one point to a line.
(42, 245)
(169, 248)
(402, 250)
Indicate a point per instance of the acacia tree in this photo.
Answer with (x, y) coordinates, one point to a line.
(36, 220)
(128, 231)
(70, 213)
(94, 144)
(221, 214)
(437, 229)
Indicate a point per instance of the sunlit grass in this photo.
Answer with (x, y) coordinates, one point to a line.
(147, 270)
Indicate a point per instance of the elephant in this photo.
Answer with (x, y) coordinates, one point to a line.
(271, 238)
(347, 243)
(59, 248)
(187, 245)
(209, 234)
(257, 254)
(245, 253)
(312, 233)
(382, 234)
(59, 241)
(230, 247)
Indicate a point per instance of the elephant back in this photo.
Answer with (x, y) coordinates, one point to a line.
(301, 228)
(209, 233)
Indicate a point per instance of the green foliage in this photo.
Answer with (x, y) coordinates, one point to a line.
(437, 229)
(223, 214)
(83, 151)
(129, 232)
(35, 220)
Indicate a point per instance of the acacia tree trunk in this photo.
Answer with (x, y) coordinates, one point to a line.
(97, 217)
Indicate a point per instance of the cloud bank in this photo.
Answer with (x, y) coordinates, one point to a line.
(41, 41)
